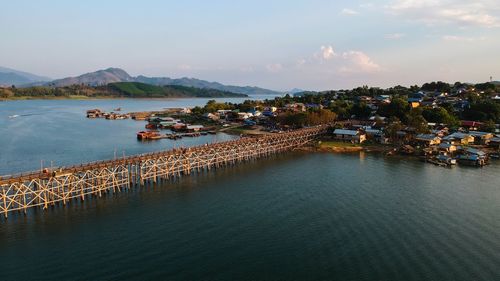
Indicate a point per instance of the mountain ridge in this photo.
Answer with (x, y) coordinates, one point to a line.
(113, 75)
(9, 77)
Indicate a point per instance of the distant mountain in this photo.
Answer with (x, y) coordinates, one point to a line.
(295, 91)
(142, 90)
(113, 75)
(10, 77)
(98, 78)
(115, 90)
(197, 83)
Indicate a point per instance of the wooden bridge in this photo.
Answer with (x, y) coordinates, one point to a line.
(62, 185)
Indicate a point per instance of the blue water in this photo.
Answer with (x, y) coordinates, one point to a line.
(301, 216)
(57, 132)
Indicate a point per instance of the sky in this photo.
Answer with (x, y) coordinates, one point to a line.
(311, 45)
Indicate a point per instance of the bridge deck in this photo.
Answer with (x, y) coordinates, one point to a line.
(24, 191)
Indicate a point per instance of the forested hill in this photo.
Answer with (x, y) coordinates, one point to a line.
(114, 90)
(136, 89)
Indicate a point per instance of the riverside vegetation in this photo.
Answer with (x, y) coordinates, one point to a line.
(113, 90)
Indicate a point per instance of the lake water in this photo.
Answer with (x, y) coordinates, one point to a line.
(301, 216)
(57, 131)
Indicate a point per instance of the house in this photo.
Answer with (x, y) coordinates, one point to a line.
(473, 157)
(364, 99)
(314, 106)
(244, 115)
(481, 137)
(495, 142)
(427, 139)
(471, 125)
(223, 113)
(270, 108)
(459, 139)
(354, 136)
(211, 116)
(384, 98)
(185, 110)
(414, 104)
(297, 107)
(447, 147)
(376, 135)
(372, 133)
(194, 128)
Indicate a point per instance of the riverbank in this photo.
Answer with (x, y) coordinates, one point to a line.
(244, 130)
(346, 147)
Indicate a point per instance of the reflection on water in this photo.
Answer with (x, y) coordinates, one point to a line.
(296, 217)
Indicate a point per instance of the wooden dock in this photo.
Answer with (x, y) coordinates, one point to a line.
(65, 184)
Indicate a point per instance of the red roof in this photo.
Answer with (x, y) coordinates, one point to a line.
(471, 123)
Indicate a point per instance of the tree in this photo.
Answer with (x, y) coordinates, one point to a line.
(391, 130)
(293, 119)
(439, 115)
(437, 87)
(483, 110)
(417, 121)
(361, 110)
(398, 107)
(489, 126)
(322, 116)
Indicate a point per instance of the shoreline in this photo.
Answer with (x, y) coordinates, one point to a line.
(340, 147)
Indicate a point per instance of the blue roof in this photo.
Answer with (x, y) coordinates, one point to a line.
(475, 151)
(345, 132)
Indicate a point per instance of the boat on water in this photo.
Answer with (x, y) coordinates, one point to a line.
(13, 116)
(148, 135)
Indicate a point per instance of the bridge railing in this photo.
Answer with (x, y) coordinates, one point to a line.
(138, 157)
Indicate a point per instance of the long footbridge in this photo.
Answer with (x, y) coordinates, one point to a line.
(66, 184)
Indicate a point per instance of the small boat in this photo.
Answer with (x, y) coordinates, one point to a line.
(13, 116)
(148, 135)
(118, 109)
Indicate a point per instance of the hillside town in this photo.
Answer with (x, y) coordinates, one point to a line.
(443, 124)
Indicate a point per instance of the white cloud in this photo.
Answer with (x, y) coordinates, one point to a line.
(349, 12)
(358, 62)
(394, 36)
(484, 13)
(462, 38)
(328, 61)
(274, 67)
(327, 53)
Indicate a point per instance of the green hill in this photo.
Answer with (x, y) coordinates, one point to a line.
(140, 90)
(114, 90)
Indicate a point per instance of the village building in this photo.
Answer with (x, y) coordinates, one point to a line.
(355, 136)
(297, 107)
(211, 116)
(427, 139)
(473, 157)
(194, 128)
(447, 147)
(471, 125)
(495, 142)
(481, 137)
(223, 113)
(459, 139)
